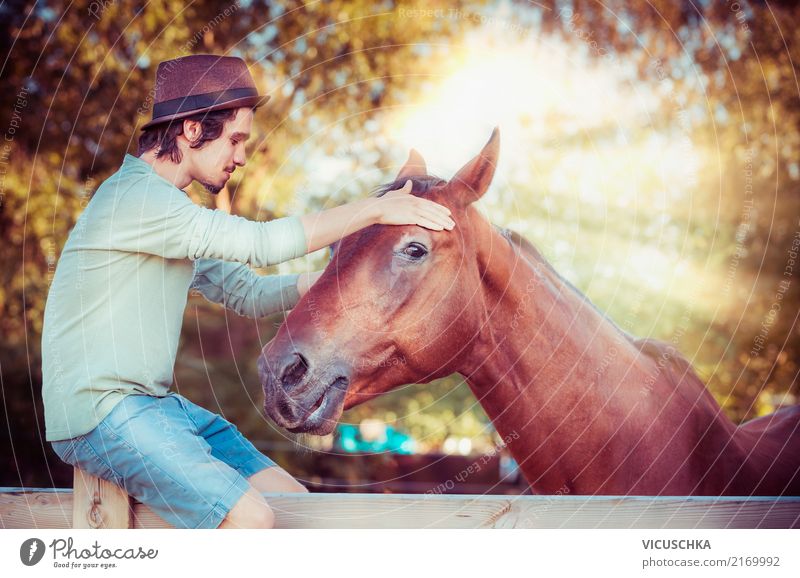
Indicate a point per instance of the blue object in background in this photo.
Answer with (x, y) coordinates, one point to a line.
(349, 440)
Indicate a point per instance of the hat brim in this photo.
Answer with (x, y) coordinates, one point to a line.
(248, 101)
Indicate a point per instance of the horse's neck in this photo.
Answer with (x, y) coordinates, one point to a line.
(570, 388)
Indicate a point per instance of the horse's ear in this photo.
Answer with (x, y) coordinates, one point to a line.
(414, 167)
(475, 177)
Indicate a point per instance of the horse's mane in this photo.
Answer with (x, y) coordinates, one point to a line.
(420, 184)
(668, 359)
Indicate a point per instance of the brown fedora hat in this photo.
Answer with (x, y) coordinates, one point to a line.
(202, 83)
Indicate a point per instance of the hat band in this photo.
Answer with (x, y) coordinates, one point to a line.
(200, 101)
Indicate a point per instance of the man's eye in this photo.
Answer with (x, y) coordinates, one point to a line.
(234, 142)
(415, 251)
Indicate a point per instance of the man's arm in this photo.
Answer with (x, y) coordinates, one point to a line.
(154, 217)
(396, 207)
(151, 216)
(242, 290)
(247, 293)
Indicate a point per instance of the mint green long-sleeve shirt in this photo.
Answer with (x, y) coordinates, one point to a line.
(115, 307)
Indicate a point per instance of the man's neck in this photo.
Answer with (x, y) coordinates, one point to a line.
(176, 174)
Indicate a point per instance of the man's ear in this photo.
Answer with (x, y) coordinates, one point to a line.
(414, 167)
(474, 178)
(192, 130)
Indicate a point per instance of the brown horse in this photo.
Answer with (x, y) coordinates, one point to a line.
(588, 408)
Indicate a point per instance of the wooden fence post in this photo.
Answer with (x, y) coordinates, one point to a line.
(98, 503)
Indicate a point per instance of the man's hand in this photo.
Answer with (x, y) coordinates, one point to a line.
(399, 207)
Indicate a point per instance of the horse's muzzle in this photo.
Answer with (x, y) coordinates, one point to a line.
(299, 396)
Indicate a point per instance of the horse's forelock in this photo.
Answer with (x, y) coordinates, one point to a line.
(421, 185)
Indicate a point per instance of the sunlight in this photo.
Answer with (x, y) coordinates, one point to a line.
(534, 91)
(577, 136)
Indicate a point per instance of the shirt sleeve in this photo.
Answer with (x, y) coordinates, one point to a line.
(154, 217)
(242, 290)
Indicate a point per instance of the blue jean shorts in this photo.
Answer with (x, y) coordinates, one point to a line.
(190, 466)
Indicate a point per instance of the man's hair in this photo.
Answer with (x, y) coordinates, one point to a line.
(164, 136)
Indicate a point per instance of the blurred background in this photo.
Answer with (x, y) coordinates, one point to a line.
(649, 149)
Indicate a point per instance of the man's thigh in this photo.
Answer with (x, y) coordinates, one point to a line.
(229, 445)
(149, 446)
(226, 441)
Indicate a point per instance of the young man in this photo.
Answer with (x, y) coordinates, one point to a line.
(114, 311)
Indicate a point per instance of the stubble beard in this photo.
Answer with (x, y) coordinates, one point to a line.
(212, 188)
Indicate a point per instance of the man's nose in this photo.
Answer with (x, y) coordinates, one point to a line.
(240, 155)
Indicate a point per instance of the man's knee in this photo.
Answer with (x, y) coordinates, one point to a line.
(251, 511)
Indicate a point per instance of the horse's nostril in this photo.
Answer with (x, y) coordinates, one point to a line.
(294, 371)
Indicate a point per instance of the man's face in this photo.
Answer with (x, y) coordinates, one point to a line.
(212, 164)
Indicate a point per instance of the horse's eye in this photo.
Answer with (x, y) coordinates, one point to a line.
(415, 251)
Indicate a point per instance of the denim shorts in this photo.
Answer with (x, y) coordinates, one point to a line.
(190, 466)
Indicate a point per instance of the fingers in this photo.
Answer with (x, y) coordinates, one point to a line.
(436, 213)
(418, 210)
(432, 213)
(406, 187)
(428, 224)
(435, 207)
(436, 217)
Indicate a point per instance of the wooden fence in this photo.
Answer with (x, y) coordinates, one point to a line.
(95, 503)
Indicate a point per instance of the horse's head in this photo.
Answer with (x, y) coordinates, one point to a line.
(396, 305)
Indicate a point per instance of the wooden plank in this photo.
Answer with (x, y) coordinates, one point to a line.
(31, 508)
(97, 503)
(461, 511)
(35, 508)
